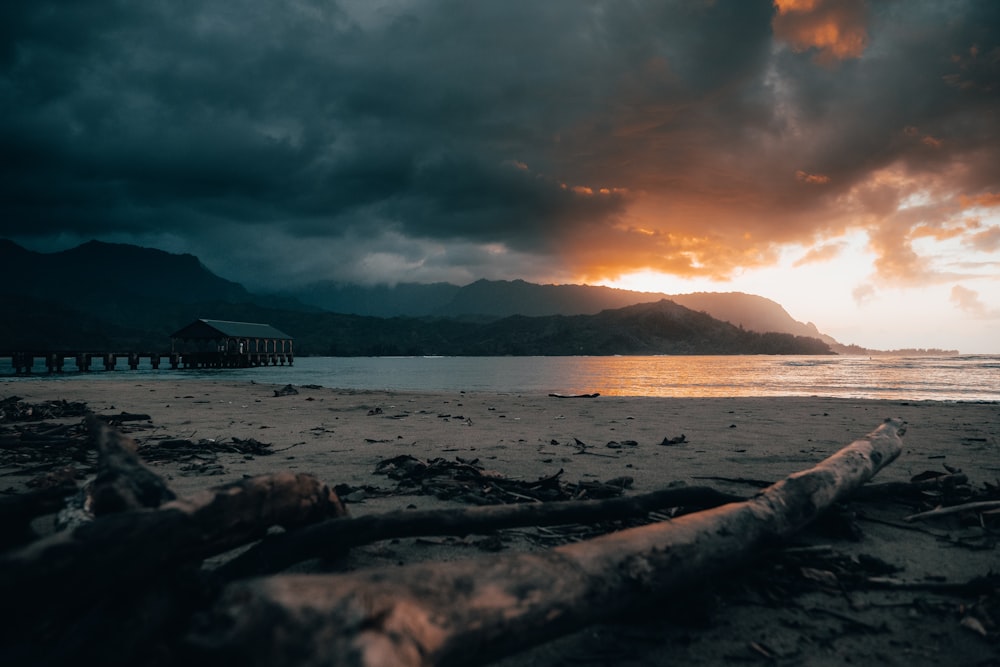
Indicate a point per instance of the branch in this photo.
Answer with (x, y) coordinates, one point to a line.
(126, 549)
(955, 509)
(480, 609)
(276, 553)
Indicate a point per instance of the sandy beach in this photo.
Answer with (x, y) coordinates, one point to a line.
(340, 436)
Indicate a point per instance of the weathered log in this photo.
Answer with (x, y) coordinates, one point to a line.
(125, 549)
(472, 611)
(331, 537)
(19, 510)
(122, 482)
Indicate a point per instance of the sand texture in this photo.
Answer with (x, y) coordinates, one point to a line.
(863, 586)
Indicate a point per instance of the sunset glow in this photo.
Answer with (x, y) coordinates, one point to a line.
(840, 157)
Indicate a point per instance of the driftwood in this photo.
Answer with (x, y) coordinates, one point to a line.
(126, 549)
(336, 535)
(122, 482)
(914, 488)
(18, 511)
(955, 509)
(472, 611)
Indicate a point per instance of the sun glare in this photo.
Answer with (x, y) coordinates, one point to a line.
(655, 281)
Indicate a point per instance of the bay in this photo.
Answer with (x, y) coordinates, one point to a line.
(946, 378)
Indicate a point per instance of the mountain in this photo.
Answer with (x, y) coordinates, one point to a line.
(661, 327)
(102, 295)
(407, 299)
(99, 294)
(96, 270)
(502, 298)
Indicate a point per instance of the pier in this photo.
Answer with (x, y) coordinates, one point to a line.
(27, 362)
(201, 344)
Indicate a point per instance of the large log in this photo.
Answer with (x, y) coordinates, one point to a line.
(119, 551)
(472, 611)
(19, 510)
(334, 536)
(122, 482)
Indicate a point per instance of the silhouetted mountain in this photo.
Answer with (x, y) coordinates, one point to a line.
(93, 271)
(503, 298)
(101, 295)
(663, 327)
(749, 311)
(409, 299)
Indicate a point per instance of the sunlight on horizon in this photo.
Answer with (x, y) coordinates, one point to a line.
(877, 317)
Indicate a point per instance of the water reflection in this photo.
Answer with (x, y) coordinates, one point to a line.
(970, 378)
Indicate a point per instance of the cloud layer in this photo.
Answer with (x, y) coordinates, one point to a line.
(447, 140)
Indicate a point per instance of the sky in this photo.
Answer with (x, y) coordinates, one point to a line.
(841, 157)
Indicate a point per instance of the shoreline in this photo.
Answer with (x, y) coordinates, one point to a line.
(527, 434)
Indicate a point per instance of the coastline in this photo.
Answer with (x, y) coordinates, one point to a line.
(340, 435)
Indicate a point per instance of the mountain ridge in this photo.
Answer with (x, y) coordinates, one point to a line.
(503, 298)
(144, 294)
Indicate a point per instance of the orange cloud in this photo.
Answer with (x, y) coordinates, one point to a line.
(815, 179)
(835, 28)
(987, 200)
(926, 139)
(822, 253)
(968, 301)
(987, 240)
(937, 232)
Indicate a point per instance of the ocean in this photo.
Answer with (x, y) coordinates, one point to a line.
(946, 378)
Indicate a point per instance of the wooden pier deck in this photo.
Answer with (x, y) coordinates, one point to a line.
(24, 362)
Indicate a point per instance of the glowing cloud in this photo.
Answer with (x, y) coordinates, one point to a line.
(987, 240)
(835, 28)
(813, 179)
(823, 253)
(968, 301)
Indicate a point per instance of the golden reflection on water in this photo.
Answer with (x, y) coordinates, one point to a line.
(951, 378)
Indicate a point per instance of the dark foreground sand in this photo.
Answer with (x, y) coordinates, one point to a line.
(776, 610)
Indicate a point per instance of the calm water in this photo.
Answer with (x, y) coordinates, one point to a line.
(956, 378)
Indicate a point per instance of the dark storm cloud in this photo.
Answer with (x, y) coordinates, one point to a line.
(254, 112)
(438, 131)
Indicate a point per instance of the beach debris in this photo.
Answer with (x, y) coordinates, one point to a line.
(430, 613)
(330, 537)
(182, 449)
(128, 555)
(287, 390)
(556, 395)
(134, 586)
(122, 482)
(124, 417)
(13, 409)
(980, 507)
(676, 440)
(47, 495)
(467, 481)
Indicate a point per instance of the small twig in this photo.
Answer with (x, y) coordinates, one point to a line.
(857, 623)
(954, 509)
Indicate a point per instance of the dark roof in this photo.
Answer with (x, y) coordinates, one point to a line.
(201, 329)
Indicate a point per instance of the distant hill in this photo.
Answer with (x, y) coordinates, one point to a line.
(101, 295)
(406, 299)
(503, 298)
(661, 327)
(96, 270)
